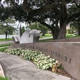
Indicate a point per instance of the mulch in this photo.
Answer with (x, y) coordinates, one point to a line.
(62, 72)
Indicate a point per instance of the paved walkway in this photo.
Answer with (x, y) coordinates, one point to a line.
(17, 69)
(6, 42)
(45, 38)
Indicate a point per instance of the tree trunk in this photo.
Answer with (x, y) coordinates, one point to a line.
(43, 34)
(63, 20)
(55, 32)
(20, 31)
(79, 30)
(62, 32)
(55, 35)
(6, 34)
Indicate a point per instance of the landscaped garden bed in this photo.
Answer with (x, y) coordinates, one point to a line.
(40, 60)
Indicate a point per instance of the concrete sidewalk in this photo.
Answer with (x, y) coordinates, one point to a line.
(17, 69)
(6, 42)
(45, 38)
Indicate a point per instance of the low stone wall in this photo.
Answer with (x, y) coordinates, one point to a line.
(66, 52)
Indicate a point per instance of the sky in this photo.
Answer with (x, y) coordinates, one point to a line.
(17, 24)
(4, 4)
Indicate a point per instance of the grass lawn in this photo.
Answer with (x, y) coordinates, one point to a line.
(44, 40)
(46, 35)
(2, 45)
(67, 36)
(72, 36)
(1, 78)
(10, 39)
(2, 49)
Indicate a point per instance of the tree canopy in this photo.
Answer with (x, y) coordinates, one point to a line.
(55, 14)
(58, 13)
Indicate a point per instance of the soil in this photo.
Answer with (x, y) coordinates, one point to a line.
(62, 72)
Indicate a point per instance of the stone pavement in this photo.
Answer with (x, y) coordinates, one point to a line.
(17, 69)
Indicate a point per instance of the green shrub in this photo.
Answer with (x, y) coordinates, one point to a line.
(39, 59)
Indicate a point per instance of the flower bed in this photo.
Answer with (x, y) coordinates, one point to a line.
(38, 58)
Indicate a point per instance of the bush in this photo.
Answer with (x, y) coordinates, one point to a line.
(38, 58)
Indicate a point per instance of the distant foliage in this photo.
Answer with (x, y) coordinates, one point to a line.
(38, 26)
(9, 29)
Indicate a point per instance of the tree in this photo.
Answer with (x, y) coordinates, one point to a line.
(58, 12)
(13, 10)
(38, 26)
(6, 27)
(76, 26)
